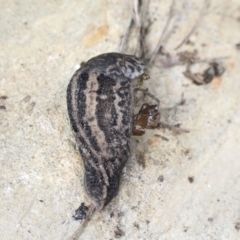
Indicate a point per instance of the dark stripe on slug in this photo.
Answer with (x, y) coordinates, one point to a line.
(81, 101)
(105, 107)
(69, 106)
(80, 96)
(71, 98)
(125, 118)
(86, 152)
(114, 116)
(127, 133)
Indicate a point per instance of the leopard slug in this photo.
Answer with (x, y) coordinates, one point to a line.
(100, 99)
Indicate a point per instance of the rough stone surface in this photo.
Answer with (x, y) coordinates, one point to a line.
(185, 188)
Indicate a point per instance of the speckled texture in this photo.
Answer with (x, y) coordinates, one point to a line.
(41, 45)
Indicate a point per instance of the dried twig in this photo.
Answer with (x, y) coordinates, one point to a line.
(125, 37)
(156, 50)
(138, 12)
(141, 47)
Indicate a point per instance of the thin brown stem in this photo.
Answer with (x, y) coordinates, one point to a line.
(171, 14)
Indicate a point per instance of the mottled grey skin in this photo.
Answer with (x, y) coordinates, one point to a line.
(100, 107)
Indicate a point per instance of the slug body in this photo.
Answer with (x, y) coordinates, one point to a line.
(100, 98)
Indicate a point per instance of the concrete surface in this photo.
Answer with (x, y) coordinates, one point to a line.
(184, 188)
